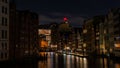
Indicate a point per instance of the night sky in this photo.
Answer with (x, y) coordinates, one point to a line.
(75, 10)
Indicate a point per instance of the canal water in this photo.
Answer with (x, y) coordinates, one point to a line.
(55, 60)
(69, 61)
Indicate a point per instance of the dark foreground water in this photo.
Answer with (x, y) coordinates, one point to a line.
(68, 61)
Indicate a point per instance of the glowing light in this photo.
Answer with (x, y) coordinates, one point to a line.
(44, 31)
(85, 31)
(67, 47)
(44, 43)
(117, 45)
(65, 19)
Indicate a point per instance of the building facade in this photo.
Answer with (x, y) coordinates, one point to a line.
(49, 34)
(12, 29)
(4, 30)
(114, 31)
(24, 33)
(65, 36)
(89, 36)
(100, 34)
(54, 35)
(77, 40)
(44, 38)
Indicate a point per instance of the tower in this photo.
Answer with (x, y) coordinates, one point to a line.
(64, 33)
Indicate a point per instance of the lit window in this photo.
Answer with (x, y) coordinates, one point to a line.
(97, 38)
(84, 45)
(105, 31)
(97, 33)
(84, 31)
(117, 45)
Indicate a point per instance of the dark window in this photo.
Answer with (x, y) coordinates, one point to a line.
(2, 20)
(5, 34)
(2, 0)
(2, 34)
(2, 9)
(5, 55)
(6, 1)
(2, 45)
(1, 55)
(5, 9)
(5, 22)
(5, 46)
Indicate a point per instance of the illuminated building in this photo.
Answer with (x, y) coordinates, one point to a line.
(88, 36)
(62, 36)
(113, 19)
(50, 34)
(44, 37)
(54, 35)
(100, 34)
(77, 39)
(4, 30)
(95, 33)
(65, 35)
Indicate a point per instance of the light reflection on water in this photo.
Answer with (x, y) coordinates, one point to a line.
(70, 61)
(84, 63)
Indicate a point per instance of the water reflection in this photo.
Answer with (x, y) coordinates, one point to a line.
(69, 61)
(66, 61)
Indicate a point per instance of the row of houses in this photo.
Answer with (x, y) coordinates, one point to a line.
(101, 34)
(18, 31)
(62, 36)
(98, 35)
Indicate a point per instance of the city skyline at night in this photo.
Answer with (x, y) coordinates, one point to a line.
(60, 34)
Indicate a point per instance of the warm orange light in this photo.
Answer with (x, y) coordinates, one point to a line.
(44, 31)
(117, 45)
(44, 43)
